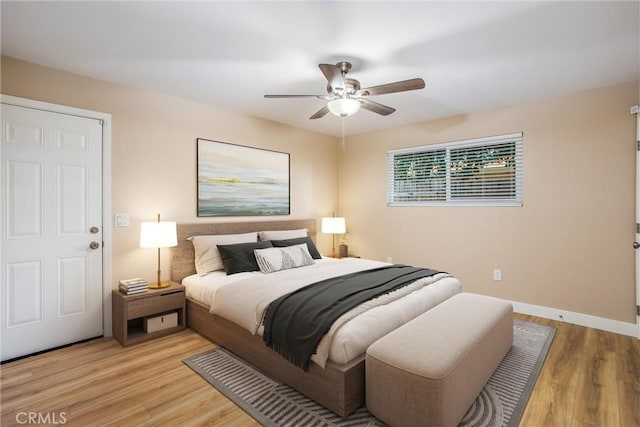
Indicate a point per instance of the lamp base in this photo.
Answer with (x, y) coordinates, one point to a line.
(344, 250)
(159, 285)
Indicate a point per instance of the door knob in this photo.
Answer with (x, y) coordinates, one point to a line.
(94, 245)
(636, 245)
(94, 230)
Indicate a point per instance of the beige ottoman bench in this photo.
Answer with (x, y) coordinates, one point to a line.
(430, 370)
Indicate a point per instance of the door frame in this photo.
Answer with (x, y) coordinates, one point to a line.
(105, 118)
(637, 251)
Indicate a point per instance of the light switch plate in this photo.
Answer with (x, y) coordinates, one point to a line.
(122, 220)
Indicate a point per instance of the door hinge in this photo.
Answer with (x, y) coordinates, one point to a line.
(638, 145)
(637, 310)
(637, 228)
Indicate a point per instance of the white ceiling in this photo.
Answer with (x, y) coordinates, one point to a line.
(472, 55)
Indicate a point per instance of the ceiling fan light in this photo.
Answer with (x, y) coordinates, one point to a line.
(343, 107)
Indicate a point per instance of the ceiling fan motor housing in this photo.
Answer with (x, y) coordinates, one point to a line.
(352, 86)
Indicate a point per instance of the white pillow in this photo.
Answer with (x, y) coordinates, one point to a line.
(207, 257)
(276, 259)
(282, 234)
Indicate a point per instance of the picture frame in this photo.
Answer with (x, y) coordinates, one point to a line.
(237, 180)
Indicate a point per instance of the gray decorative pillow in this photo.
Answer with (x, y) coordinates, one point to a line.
(276, 259)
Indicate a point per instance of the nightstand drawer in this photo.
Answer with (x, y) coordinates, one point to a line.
(157, 304)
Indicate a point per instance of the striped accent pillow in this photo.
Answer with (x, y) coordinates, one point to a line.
(276, 259)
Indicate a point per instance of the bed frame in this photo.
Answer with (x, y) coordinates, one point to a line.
(339, 387)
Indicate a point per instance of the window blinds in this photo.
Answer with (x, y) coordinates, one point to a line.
(483, 171)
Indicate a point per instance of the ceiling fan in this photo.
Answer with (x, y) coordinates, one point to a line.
(345, 95)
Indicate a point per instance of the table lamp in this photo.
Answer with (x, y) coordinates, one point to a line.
(333, 225)
(158, 234)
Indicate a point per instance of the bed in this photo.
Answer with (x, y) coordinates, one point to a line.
(335, 378)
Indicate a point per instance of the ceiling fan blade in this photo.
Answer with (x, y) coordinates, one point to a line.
(411, 84)
(334, 76)
(320, 113)
(296, 96)
(376, 107)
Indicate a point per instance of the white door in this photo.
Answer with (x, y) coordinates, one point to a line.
(52, 230)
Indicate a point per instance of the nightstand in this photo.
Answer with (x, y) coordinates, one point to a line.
(129, 312)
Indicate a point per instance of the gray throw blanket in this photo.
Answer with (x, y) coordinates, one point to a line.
(295, 323)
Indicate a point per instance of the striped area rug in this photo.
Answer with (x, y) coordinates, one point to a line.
(500, 403)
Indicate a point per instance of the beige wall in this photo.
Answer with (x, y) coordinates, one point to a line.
(568, 247)
(154, 154)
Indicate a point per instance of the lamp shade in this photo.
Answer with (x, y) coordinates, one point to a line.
(334, 225)
(158, 234)
(343, 107)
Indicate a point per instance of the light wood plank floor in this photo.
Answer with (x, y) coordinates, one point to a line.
(590, 378)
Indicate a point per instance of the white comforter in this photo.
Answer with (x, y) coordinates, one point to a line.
(243, 299)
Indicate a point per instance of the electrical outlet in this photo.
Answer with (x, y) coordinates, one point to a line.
(497, 274)
(390, 260)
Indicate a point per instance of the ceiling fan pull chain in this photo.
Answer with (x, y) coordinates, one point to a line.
(342, 118)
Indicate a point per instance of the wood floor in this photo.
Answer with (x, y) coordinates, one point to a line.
(590, 378)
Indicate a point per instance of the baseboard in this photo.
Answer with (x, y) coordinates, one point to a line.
(609, 325)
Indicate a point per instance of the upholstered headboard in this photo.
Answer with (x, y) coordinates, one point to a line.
(182, 256)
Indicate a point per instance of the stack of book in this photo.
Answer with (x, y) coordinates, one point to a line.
(133, 286)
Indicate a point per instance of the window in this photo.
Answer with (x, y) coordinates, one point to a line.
(483, 171)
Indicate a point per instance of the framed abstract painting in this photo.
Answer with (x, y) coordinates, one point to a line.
(235, 180)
